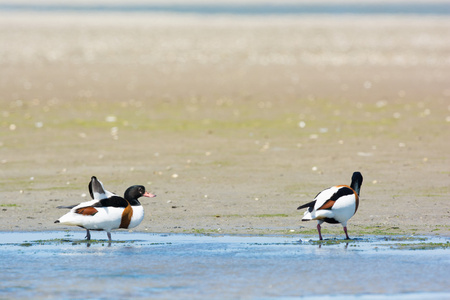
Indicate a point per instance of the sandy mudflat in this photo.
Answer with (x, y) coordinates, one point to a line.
(232, 121)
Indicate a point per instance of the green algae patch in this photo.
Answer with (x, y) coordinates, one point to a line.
(421, 246)
(404, 238)
(68, 241)
(330, 242)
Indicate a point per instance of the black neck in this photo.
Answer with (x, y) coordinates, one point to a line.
(356, 182)
(134, 202)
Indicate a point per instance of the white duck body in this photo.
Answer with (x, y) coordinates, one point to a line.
(341, 211)
(336, 204)
(99, 218)
(106, 218)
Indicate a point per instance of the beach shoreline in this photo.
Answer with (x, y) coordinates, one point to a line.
(232, 122)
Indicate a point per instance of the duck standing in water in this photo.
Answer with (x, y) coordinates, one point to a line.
(336, 204)
(107, 211)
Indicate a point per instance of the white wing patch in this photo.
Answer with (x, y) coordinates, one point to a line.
(324, 196)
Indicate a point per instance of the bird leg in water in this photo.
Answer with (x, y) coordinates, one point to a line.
(320, 234)
(346, 234)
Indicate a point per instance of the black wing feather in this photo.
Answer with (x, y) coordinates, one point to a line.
(68, 207)
(309, 204)
(114, 201)
(90, 188)
(343, 191)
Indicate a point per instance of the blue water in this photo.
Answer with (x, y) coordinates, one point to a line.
(423, 8)
(61, 265)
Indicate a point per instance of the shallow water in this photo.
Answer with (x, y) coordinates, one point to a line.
(261, 8)
(144, 265)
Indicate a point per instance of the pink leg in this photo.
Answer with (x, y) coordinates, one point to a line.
(346, 234)
(320, 234)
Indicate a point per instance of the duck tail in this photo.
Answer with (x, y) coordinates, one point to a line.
(307, 216)
(310, 205)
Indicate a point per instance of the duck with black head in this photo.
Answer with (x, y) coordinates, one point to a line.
(336, 204)
(107, 211)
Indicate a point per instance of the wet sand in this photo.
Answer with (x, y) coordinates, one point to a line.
(232, 121)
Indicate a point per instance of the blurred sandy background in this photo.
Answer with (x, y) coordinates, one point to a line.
(233, 121)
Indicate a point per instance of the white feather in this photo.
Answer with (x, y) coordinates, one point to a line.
(342, 210)
(138, 216)
(102, 193)
(107, 218)
(100, 196)
(324, 196)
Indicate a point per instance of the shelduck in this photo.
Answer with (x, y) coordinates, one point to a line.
(107, 211)
(336, 204)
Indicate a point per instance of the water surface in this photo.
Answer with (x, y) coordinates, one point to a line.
(212, 8)
(143, 265)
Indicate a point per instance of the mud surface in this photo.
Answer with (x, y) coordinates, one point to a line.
(233, 121)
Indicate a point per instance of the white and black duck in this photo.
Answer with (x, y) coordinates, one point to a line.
(336, 204)
(107, 211)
